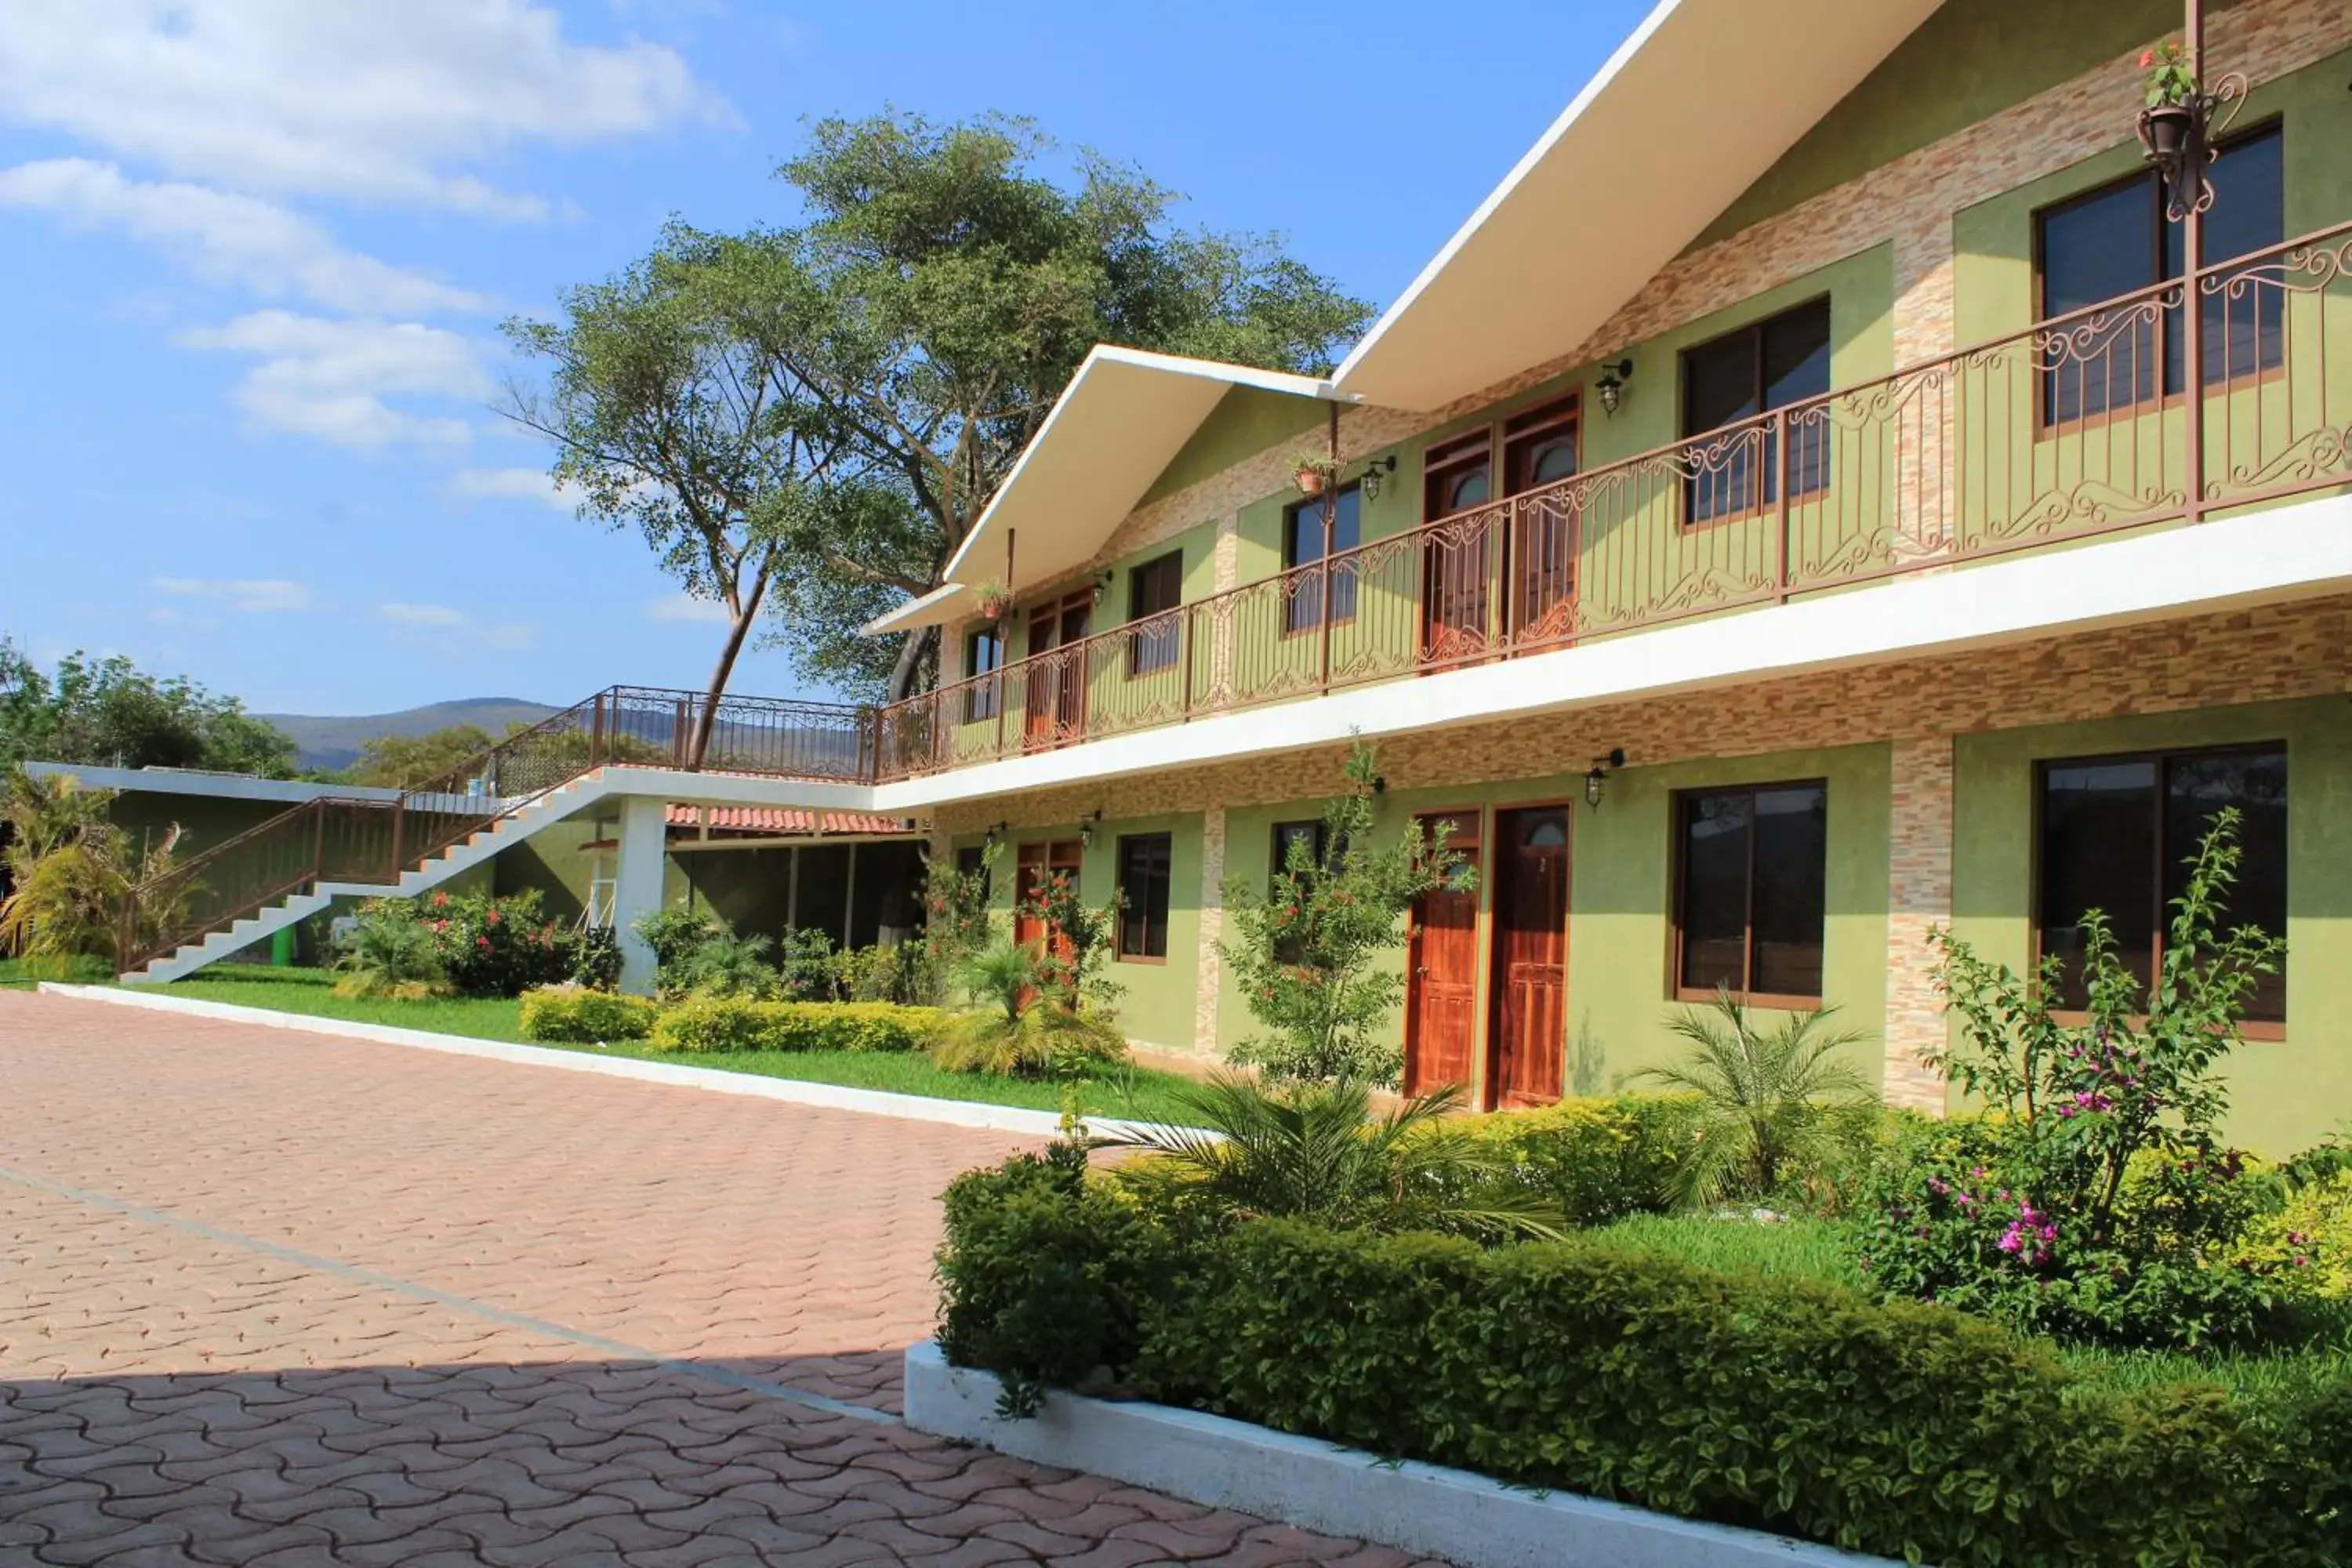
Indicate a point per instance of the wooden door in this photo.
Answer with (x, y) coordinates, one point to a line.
(1458, 483)
(1531, 1027)
(1054, 704)
(1442, 978)
(1034, 866)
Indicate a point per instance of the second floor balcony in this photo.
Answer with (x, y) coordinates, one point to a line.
(2216, 391)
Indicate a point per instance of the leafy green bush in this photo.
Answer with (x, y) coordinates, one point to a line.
(595, 958)
(740, 1024)
(1777, 1403)
(726, 964)
(573, 1014)
(386, 953)
(879, 974)
(1596, 1159)
(2099, 1203)
(496, 946)
(674, 934)
(811, 973)
(1314, 1150)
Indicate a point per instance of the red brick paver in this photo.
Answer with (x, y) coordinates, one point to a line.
(279, 1298)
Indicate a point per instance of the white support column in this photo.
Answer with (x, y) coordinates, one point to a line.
(637, 886)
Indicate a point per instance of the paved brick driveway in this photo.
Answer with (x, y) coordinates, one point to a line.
(276, 1298)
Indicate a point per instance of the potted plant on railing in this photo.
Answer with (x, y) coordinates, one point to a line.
(993, 598)
(2169, 124)
(1313, 471)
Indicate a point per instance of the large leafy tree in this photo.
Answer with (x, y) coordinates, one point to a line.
(108, 712)
(944, 284)
(666, 416)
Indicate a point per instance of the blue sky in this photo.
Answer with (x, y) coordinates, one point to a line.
(257, 252)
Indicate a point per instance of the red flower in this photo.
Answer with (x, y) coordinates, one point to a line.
(2147, 58)
(440, 925)
(492, 918)
(481, 941)
(440, 901)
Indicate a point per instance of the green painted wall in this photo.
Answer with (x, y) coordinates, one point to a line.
(1621, 893)
(1245, 422)
(1966, 62)
(2289, 1093)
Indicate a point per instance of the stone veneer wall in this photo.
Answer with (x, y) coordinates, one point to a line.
(1212, 928)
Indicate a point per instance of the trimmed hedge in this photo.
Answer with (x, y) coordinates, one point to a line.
(578, 1016)
(739, 1024)
(1788, 1404)
(1600, 1160)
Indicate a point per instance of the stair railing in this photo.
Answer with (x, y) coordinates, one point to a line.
(374, 841)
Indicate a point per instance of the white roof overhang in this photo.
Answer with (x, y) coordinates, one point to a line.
(1692, 109)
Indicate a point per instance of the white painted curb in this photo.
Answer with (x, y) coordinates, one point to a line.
(1463, 1518)
(718, 1080)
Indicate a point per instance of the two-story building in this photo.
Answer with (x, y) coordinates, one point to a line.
(1813, 499)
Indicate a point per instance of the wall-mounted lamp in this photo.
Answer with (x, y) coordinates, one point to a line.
(994, 835)
(1102, 586)
(1379, 783)
(1601, 768)
(1370, 483)
(1611, 387)
(1087, 829)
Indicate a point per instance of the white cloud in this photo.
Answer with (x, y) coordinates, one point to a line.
(374, 101)
(522, 484)
(454, 630)
(252, 596)
(227, 238)
(329, 378)
(421, 614)
(686, 609)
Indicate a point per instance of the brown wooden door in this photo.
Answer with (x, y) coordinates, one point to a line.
(1056, 709)
(1530, 1030)
(1033, 865)
(1458, 483)
(1442, 980)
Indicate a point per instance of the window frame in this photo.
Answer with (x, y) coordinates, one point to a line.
(1154, 651)
(983, 698)
(2264, 1029)
(1766, 492)
(1677, 861)
(2047, 423)
(1295, 621)
(1166, 840)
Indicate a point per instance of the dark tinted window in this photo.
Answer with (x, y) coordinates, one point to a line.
(1752, 901)
(1302, 545)
(1143, 882)
(1778, 362)
(1153, 589)
(2118, 834)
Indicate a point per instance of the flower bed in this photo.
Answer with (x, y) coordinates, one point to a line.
(1781, 1403)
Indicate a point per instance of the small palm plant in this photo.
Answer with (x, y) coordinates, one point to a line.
(388, 955)
(1010, 1030)
(725, 965)
(1315, 1151)
(1770, 1102)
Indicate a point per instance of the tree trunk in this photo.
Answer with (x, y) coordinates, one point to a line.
(738, 629)
(910, 659)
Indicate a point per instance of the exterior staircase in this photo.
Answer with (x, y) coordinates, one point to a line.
(303, 859)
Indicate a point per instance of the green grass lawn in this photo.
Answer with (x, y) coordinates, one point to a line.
(1807, 1249)
(1136, 1092)
(24, 974)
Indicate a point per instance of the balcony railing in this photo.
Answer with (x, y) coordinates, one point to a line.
(2083, 424)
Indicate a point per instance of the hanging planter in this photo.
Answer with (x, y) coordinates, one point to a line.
(1313, 471)
(993, 599)
(2181, 121)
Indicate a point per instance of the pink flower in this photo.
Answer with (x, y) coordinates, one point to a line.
(481, 941)
(492, 918)
(2147, 58)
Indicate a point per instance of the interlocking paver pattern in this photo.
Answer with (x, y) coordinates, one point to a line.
(271, 1298)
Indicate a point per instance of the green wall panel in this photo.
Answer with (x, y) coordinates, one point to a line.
(2288, 1093)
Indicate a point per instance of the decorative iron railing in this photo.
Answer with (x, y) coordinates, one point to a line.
(372, 842)
(2081, 426)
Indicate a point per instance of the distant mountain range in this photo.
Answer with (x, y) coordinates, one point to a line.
(334, 743)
